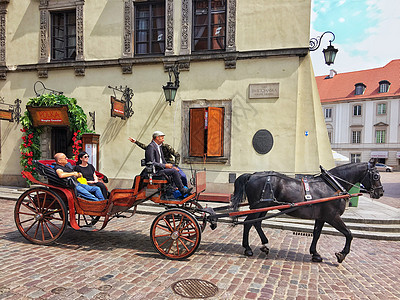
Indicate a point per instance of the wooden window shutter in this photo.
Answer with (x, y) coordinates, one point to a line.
(215, 136)
(196, 133)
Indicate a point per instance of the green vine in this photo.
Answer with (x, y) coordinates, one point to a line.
(30, 146)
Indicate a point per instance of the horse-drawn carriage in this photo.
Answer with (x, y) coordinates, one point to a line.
(43, 212)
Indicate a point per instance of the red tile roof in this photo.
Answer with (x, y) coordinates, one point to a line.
(341, 86)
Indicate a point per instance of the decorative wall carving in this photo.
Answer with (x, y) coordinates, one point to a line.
(128, 28)
(3, 12)
(44, 38)
(169, 41)
(185, 28)
(79, 33)
(231, 26)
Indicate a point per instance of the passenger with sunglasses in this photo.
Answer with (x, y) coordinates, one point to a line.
(88, 171)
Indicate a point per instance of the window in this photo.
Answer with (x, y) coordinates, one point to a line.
(330, 136)
(380, 136)
(384, 86)
(209, 20)
(357, 110)
(356, 137)
(355, 157)
(359, 88)
(206, 132)
(63, 35)
(328, 113)
(150, 27)
(381, 107)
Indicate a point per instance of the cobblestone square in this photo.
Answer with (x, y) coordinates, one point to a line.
(119, 262)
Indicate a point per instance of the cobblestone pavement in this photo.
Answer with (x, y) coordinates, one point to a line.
(120, 263)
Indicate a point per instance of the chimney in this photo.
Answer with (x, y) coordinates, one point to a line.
(332, 73)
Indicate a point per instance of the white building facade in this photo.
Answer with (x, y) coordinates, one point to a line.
(361, 111)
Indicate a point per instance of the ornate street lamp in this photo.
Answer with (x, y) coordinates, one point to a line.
(171, 88)
(329, 52)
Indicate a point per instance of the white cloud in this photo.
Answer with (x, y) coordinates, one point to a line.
(380, 45)
(342, 20)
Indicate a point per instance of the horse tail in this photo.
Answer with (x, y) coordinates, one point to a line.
(239, 193)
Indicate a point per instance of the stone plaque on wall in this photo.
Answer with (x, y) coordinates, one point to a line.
(263, 90)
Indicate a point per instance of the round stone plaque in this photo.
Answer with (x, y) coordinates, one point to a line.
(263, 141)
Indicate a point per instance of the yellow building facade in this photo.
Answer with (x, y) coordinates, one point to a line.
(248, 58)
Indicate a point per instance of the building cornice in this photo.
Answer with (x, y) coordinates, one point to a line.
(127, 63)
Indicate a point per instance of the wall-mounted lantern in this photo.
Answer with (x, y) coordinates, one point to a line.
(329, 52)
(171, 88)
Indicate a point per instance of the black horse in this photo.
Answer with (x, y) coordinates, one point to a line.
(285, 189)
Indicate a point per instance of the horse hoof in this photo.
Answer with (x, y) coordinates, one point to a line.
(264, 249)
(316, 258)
(340, 257)
(248, 252)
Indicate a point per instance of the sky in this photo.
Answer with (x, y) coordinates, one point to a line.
(367, 33)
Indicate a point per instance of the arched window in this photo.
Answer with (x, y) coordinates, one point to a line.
(384, 86)
(359, 88)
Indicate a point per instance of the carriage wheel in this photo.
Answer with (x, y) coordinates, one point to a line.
(40, 216)
(175, 233)
(193, 206)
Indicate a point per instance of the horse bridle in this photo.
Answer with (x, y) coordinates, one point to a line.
(372, 176)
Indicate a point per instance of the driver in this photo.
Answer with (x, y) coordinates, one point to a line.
(155, 155)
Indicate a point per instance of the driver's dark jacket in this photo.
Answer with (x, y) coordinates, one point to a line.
(153, 155)
(167, 150)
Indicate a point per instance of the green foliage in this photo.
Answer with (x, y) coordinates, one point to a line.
(30, 146)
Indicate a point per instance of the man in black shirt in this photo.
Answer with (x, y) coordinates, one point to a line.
(84, 190)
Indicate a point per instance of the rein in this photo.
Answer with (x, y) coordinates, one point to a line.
(367, 173)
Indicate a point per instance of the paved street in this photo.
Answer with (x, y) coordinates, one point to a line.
(391, 185)
(120, 263)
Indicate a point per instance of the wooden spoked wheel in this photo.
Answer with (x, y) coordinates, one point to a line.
(175, 233)
(40, 216)
(193, 207)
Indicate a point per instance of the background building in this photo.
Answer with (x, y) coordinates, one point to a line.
(362, 111)
(244, 67)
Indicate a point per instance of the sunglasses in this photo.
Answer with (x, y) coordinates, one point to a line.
(85, 156)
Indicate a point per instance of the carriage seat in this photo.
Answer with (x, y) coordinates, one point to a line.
(52, 177)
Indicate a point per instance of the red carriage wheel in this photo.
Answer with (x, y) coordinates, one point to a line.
(175, 233)
(40, 215)
(193, 207)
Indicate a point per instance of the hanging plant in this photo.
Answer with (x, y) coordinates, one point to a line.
(30, 146)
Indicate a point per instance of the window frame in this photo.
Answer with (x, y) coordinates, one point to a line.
(355, 157)
(357, 110)
(227, 124)
(359, 88)
(328, 113)
(380, 136)
(150, 28)
(65, 37)
(380, 111)
(356, 136)
(384, 86)
(210, 37)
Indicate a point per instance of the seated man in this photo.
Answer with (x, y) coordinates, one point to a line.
(155, 155)
(85, 191)
(170, 154)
